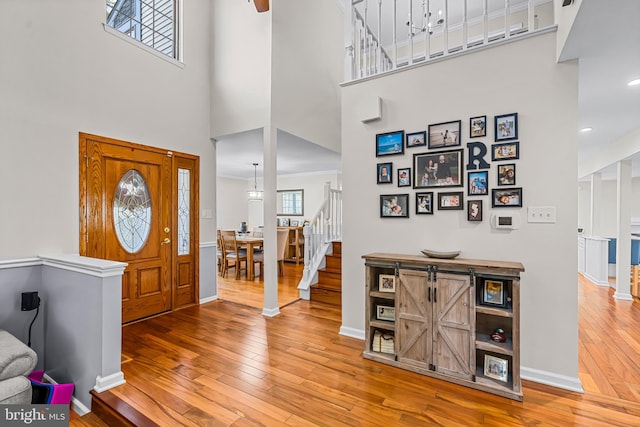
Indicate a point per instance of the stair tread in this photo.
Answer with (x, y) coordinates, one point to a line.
(330, 270)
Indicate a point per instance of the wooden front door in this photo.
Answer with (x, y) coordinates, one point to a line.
(127, 210)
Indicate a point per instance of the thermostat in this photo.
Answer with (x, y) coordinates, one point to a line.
(509, 221)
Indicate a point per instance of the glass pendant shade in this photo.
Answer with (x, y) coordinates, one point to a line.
(255, 194)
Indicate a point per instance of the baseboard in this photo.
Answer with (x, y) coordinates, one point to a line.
(110, 381)
(270, 312)
(208, 299)
(595, 281)
(76, 405)
(551, 379)
(352, 332)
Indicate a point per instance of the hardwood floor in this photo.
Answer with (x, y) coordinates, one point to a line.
(251, 292)
(224, 364)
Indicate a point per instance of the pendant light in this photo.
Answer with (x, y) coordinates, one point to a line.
(255, 195)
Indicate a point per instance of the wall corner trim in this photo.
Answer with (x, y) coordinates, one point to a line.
(552, 379)
(110, 381)
(208, 299)
(352, 332)
(270, 312)
(90, 266)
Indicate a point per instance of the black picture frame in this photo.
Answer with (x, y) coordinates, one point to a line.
(444, 135)
(506, 197)
(506, 151)
(404, 177)
(474, 210)
(478, 183)
(390, 143)
(439, 169)
(506, 174)
(424, 203)
(451, 201)
(494, 293)
(416, 139)
(477, 126)
(394, 206)
(384, 173)
(506, 127)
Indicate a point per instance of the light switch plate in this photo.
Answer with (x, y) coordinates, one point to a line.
(545, 214)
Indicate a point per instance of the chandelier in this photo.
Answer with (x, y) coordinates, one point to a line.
(255, 195)
(428, 24)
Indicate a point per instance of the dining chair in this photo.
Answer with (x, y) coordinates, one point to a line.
(220, 253)
(232, 252)
(283, 241)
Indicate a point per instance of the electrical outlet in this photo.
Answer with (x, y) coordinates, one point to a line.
(30, 301)
(545, 214)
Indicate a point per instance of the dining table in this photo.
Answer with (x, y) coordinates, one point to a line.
(250, 243)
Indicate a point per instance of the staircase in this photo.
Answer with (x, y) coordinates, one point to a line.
(329, 286)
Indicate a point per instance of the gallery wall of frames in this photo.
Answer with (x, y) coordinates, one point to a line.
(439, 174)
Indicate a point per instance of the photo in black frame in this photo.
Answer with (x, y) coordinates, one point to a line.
(444, 135)
(478, 183)
(507, 174)
(439, 169)
(404, 177)
(474, 210)
(390, 143)
(506, 197)
(385, 173)
(452, 201)
(424, 203)
(416, 139)
(505, 151)
(506, 127)
(394, 206)
(477, 126)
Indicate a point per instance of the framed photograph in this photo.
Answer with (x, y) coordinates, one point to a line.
(424, 203)
(477, 126)
(506, 127)
(506, 197)
(284, 222)
(294, 223)
(450, 201)
(474, 210)
(496, 368)
(442, 135)
(507, 174)
(404, 177)
(394, 206)
(443, 169)
(507, 151)
(478, 183)
(384, 173)
(387, 283)
(417, 139)
(385, 312)
(390, 143)
(493, 294)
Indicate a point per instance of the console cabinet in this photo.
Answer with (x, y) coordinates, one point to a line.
(436, 317)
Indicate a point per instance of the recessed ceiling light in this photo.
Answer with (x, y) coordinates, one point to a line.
(634, 82)
(586, 130)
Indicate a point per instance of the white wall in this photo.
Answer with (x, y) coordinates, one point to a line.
(520, 77)
(565, 17)
(584, 207)
(62, 74)
(232, 207)
(240, 66)
(607, 205)
(307, 66)
(313, 186)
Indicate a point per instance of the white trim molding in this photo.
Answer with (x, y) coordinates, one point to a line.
(141, 45)
(108, 382)
(208, 299)
(19, 263)
(352, 332)
(551, 379)
(85, 265)
(270, 312)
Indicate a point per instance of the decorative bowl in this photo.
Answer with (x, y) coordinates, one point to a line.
(437, 254)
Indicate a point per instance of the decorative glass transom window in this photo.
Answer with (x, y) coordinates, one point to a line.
(132, 211)
(152, 22)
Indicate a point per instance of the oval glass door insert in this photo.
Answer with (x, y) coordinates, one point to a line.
(132, 211)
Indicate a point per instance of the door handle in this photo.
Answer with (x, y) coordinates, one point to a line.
(429, 295)
(165, 241)
(435, 294)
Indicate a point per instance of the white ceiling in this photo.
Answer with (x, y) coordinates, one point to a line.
(606, 38)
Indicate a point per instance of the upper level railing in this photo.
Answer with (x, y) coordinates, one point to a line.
(384, 35)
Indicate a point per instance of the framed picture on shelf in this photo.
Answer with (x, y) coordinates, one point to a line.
(404, 177)
(478, 183)
(506, 127)
(387, 283)
(506, 151)
(424, 203)
(385, 312)
(496, 368)
(477, 126)
(284, 222)
(450, 201)
(506, 197)
(474, 210)
(294, 223)
(416, 139)
(394, 206)
(493, 294)
(390, 143)
(442, 135)
(507, 174)
(384, 173)
(442, 169)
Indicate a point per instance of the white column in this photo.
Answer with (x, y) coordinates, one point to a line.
(596, 202)
(270, 227)
(623, 245)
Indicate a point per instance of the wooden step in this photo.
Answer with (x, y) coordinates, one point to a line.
(336, 248)
(333, 262)
(329, 280)
(326, 296)
(115, 412)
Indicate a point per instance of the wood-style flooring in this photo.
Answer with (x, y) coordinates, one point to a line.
(225, 364)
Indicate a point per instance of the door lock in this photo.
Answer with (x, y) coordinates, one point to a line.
(165, 241)
(166, 229)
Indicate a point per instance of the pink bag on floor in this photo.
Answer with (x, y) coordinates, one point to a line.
(52, 394)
